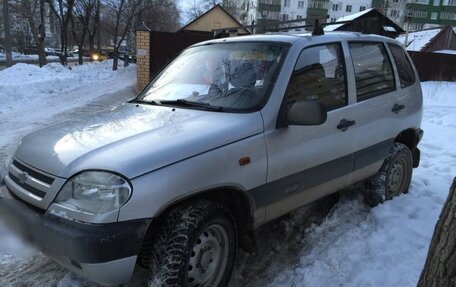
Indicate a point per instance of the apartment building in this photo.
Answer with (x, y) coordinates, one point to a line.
(259, 11)
(431, 13)
(339, 9)
(294, 9)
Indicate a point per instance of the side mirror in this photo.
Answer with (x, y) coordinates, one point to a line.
(307, 113)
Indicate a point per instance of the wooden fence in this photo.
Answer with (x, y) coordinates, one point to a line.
(435, 66)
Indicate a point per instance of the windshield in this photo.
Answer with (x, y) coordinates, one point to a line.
(227, 76)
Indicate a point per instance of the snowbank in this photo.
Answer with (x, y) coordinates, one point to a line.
(31, 97)
(21, 57)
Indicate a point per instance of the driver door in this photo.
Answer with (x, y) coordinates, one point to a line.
(308, 162)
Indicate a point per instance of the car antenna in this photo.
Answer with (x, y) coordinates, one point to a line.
(318, 29)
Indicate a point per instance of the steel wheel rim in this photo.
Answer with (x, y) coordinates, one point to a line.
(396, 177)
(209, 257)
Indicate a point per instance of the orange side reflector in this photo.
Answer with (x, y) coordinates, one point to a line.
(244, 161)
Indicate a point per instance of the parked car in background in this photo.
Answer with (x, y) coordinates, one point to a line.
(51, 52)
(96, 56)
(69, 53)
(232, 134)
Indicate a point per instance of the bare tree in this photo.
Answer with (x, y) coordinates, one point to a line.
(122, 12)
(199, 7)
(82, 15)
(34, 12)
(63, 11)
(93, 28)
(160, 15)
(440, 266)
(6, 24)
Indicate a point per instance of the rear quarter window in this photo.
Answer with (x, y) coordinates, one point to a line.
(373, 71)
(404, 67)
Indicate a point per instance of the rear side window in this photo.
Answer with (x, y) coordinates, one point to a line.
(373, 72)
(404, 67)
(319, 75)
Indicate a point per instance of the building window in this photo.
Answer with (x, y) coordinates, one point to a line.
(320, 4)
(448, 16)
(419, 14)
(434, 15)
(394, 13)
(285, 17)
(362, 8)
(300, 4)
(335, 7)
(286, 3)
(416, 27)
(333, 20)
(436, 2)
(298, 17)
(348, 8)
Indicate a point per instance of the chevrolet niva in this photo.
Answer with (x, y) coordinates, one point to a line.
(232, 134)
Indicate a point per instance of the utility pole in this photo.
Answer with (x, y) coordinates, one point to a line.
(6, 24)
(407, 31)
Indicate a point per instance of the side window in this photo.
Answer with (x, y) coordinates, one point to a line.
(373, 72)
(404, 67)
(319, 74)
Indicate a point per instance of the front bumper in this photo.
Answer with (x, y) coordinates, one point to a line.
(103, 253)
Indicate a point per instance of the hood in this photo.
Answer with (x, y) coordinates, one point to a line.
(133, 139)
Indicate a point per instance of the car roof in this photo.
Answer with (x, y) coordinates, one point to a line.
(295, 37)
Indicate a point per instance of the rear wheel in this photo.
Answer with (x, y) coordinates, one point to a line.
(195, 246)
(393, 178)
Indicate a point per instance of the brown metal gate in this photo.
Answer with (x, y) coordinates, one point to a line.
(165, 46)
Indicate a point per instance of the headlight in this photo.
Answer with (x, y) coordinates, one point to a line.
(95, 57)
(94, 192)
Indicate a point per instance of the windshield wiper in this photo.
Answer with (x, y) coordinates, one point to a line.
(185, 103)
(137, 101)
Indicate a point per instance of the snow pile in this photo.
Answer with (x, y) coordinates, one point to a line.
(15, 55)
(416, 41)
(21, 57)
(452, 52)
(31, 97)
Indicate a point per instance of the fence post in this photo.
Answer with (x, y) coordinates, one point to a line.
(142, 57)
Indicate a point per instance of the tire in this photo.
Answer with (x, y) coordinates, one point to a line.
(393, 178)
(195, 246)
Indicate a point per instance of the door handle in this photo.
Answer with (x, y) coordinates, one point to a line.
(397, 108)
(345, 124)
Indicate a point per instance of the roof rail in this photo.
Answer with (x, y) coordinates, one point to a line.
(274, 26)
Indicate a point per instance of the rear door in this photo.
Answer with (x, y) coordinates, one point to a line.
(375, 87)
(307, 162)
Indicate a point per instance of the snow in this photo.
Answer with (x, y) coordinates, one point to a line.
(350, 17)
(21, 57)
(453, 52)
(348, 244)
(416, 41)
(31, 97)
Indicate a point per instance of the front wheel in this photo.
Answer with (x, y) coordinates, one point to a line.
(195, 246)
(393, 178)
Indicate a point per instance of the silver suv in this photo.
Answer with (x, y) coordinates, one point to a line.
(230, 135)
